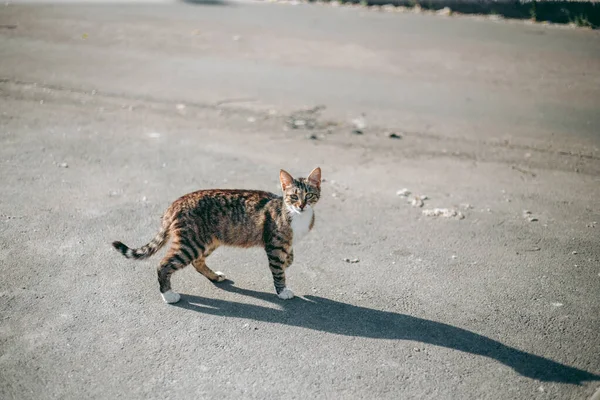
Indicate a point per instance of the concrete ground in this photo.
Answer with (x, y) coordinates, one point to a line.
(110, 112)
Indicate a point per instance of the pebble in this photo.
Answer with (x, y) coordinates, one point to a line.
(403, 192)
(445, 11)
(351, 260)
(443, 212)
(417, 202)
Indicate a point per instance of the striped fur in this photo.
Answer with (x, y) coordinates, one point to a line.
(145, 251)
(200, 222)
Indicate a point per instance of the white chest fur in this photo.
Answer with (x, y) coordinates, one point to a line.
(301, 223)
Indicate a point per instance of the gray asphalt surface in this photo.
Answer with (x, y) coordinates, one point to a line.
(110, 112)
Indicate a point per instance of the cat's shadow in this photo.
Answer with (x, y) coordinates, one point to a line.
(326, 315)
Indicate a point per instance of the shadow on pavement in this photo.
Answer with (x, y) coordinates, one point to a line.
(207, 2)
(580, 12)
(326, 315)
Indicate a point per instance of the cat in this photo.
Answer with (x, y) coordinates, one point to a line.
(201, 221)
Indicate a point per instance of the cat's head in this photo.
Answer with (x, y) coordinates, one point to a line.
(302, 193)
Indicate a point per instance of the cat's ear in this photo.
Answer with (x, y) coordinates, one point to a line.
(314, 178)
(285, 179)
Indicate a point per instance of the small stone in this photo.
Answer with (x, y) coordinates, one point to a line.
(41, 101)
(357, 132)
(445, 11)
(417, 202)
(557, 304)
(180, 107)
(416, 349)
(144, 199)
(574, 253)
(403, 192)
(454, 256)
(63, 165)
(251, 119)
(94, 92)
(298, 123)
(312, 137)
(394, 136)
(351, 260)
(360, 123)
(443, 212)
(532, 219)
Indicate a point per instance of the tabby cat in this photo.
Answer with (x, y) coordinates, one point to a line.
(200, 222)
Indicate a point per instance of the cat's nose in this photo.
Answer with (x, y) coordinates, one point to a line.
(302, 206)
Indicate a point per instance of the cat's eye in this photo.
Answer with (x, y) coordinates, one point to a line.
(294, 197)
(309, 196)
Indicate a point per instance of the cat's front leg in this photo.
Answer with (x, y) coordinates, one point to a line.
(290, 259)
(278, 261)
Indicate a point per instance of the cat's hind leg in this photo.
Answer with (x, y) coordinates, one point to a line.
(167, 267)
(201, 267)
(179, 256)
(200, 264)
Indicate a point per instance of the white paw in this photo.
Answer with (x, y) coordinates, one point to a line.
(170, 297)
(220, 276)
(286, 294)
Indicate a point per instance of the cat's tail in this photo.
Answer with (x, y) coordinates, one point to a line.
(145, 251)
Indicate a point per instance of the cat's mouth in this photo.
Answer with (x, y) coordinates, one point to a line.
(297, 210)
